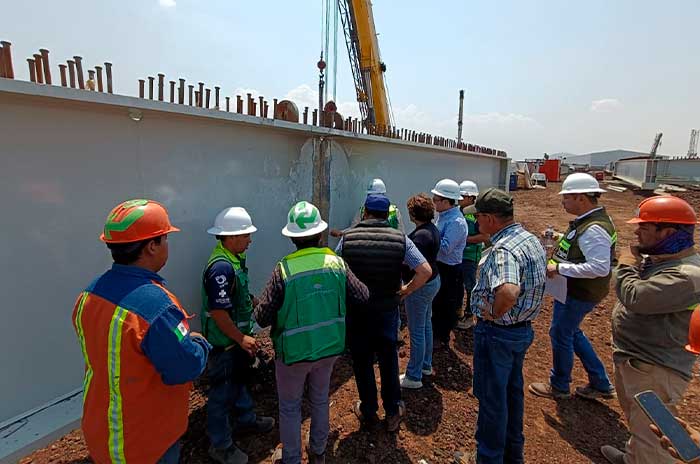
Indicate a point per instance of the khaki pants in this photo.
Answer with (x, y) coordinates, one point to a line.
(631, 377)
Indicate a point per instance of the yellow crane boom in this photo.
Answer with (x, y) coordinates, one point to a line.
(365, 61)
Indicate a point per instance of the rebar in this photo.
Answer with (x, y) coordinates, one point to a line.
(62, 69)
(32, 69)
(39, 68)
(108, 71)
(79, 71)
(99, 78)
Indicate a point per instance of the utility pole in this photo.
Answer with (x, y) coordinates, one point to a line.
(461, 115)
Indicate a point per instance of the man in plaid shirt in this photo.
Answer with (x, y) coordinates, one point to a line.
(507, 297)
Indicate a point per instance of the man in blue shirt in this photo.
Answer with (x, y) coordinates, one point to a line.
(375, 252)
(453, 238)
(507, 297)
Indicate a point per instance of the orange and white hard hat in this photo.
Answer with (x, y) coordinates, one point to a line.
(665, 208)
(136, 220)
(694, 332)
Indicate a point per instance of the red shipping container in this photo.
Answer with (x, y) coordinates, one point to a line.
(551, 169)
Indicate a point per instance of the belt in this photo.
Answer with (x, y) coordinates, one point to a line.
(517, 325)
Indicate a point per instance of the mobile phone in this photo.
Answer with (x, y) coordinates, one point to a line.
(659, 414)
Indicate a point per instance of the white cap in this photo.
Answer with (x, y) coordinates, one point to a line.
(376, 186)
(232, 221)
(447, 188)
(468, 189)
(304, 220)
(580, 183)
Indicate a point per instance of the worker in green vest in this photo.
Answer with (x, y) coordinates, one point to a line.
(305, 303)
(472, 252)
(585, 256)
(227, 324)
(375, 187)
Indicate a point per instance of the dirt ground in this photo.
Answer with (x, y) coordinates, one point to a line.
(441, 416)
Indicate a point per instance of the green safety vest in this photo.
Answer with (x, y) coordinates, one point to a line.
(392, 218)
(242, 311)
(569, 251)
(472, 252)
(311, 323)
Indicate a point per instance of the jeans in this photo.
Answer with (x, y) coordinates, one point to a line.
(499, 353)
(469, 277)
(567, 339)
(290, 389)
(373, 333)
(419, 308)
(226, 392)
(448, 300)
(171, 455)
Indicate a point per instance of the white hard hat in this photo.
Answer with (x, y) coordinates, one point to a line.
(304, 220)
(232, 221)
(376, 186)
(468, 189)
(447, 188)
(580, 183)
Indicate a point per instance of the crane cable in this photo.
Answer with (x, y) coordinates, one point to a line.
(331, 70)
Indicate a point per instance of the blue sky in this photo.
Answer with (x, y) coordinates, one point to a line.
(539, 75)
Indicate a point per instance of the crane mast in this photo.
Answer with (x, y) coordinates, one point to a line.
(365, 61)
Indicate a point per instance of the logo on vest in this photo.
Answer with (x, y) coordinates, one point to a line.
(220, 279)
(571, 234)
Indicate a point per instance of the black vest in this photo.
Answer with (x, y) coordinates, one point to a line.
(375, 251)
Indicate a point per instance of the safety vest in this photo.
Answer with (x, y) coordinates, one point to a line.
(241, 313)
(311, 323)
(569, 251)
(472, 252)
(393, 218)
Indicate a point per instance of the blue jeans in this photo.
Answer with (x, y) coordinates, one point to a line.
(172, 455)
(567, 339)
(419, 308)
(499, 353)
(226, 393)
(469, 276)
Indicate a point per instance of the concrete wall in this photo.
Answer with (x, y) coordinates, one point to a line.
(633, 171)
(69, 156)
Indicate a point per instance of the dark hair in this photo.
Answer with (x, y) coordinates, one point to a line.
(129, 253)
(377, 214)
(307, 242)
(421, 207)
(451, 201)
(593, 197)
(670, 225)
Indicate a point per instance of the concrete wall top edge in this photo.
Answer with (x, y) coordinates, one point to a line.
(30, 89)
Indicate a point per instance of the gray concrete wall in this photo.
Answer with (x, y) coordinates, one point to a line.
(633, 171)
(68, 157)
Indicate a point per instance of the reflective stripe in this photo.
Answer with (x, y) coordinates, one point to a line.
(81, 337)
(614, 238)
(325, 270)
(308, 328)
(564, 245)
(114, 414)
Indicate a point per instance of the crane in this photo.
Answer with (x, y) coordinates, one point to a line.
(655, 145)
(365, 61)
(693, 147)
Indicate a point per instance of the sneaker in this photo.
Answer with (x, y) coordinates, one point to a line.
(612, 454)
(393, 422)
(366, 421)
(262, 424)
(466, 322)
(545, 390)
(428, 371)
(591, 393)
(410, 384)
(230, 455)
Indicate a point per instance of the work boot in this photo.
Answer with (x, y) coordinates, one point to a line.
(466, 322)
(545, 390)
(230, 455)
(612, 454)
(317, 458)
(370, 421)
(393, 422)
(591, 393)
(262, 424)
(428, 371)
(409, 383)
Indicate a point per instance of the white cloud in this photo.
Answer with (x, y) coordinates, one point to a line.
(167, 3)
(606, 105)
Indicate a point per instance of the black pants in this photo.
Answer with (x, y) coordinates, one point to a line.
(370, 335)
(448, 300)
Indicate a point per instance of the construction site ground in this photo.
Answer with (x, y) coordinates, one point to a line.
(441, 417)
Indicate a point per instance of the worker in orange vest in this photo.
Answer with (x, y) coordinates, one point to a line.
(140, 355)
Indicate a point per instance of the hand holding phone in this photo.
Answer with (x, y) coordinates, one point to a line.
(676, 433)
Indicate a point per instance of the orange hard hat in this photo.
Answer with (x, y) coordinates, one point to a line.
(665, 209)
(136, 220)
(694, 332)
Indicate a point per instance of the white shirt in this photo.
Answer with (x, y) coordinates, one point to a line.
(595, 245)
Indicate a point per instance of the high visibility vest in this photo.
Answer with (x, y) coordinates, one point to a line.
(472, 251)
(242, 311)
(311, 323)
(393, 218)
(568, 251)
